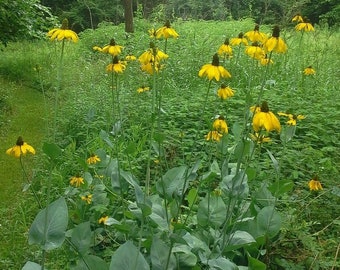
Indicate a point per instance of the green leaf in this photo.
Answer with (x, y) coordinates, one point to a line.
(263, 196)
(287, 133)
(243, 149)
(49, 226)
(142, 202)
(158, 215)
(82, 237)
(192, 197)
(215, 168)
(211, 211)
(274, 161)
(32, 266)
(235, 185)
(281, 187)
(52, 150)
(171, 185)
(159, 255)
(105, 137)
(195, 243)
(255, 264)
(222, 264)
(184, 255)
(88, 178)
(128, 257)
(91, 262)
(268, 221)
(239, 239)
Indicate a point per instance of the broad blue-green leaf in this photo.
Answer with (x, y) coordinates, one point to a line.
(81, 237)
(195, 243)
(211, 211)
(235, 186)
(128, 257)
(243, 149)
(255, 264)
(268, 221)
(105, 137)
(222, 264)
(159, 255)
(32, 266)
(158, 215)
(91, 262)
(142, 202)
(274, 161)
(287, 133)
(184, 255)
(88, 178)
(49, 226)
(52, 150)
(263, 196)
(239, 239)
(118, 183)
(172, 184)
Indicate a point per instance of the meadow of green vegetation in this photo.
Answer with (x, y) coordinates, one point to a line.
(173, 199)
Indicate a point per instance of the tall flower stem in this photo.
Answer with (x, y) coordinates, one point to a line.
(152, 131)
(113, 87)
(25, 176)
(58, 87)
(48, 195)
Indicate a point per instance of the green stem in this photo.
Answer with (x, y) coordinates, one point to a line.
(152, 131)
(25, 176)
(59, 79)
(46, 219)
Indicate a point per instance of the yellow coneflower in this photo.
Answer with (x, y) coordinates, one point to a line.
(116, 66)
(220, 125)
(143, 89)
(297, 18)
(266, 61)
(130, 57)
(76, 181)
(103, 220)
(275, 43)
(153, 54)
(97, 48)
(292, 118)
(63, 33)
(304, 26)
(265, 119)
(112, 48)
(225, 49)
(87, 198)
(214, 70)
(20, 148)
(255, 51)
(166, 31)
(255, 35)
(93, 159)
(309, 71)
(213, 136)
(259, 138)
(239, 40)
(315, 184)
(225, 92)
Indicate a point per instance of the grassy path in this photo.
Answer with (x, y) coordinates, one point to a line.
(25, 120)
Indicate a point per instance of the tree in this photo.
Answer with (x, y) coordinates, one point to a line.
(128, 15)
(24, 19)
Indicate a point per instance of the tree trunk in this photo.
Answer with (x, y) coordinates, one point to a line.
(128, 14)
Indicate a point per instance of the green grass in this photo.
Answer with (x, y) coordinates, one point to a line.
(310, 227)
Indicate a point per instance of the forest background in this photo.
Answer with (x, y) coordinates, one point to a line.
(308, 236)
